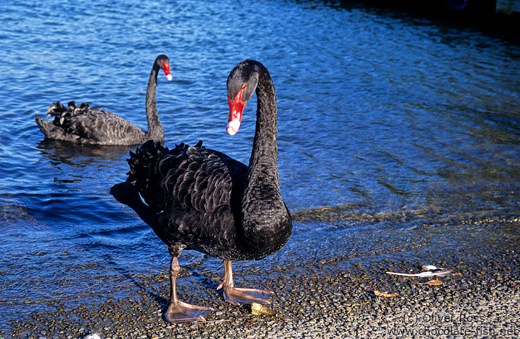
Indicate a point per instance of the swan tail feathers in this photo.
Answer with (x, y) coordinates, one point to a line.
(51, 130)
(143, 163)
(45, 126)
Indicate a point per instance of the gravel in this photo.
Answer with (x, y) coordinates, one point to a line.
(323, 296)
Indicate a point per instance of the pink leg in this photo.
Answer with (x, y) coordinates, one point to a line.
(240, 296)
(178, 311)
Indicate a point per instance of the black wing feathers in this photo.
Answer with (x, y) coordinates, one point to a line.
(185, 177)
(91, 124)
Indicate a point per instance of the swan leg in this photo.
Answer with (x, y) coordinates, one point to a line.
(239, 296)
(180, 312)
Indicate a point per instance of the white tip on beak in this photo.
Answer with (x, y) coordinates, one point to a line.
(169, 77)
(233, 126)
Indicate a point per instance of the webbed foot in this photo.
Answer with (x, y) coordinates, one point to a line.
(182, 312)
(240, 296)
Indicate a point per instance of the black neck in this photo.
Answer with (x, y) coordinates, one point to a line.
(262, 202)
(155, 129)
(263, 164)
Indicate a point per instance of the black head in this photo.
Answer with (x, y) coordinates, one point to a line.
(241, 84)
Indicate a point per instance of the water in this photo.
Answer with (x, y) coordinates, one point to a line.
(385, 119)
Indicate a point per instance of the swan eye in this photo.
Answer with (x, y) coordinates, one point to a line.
(164, 64)
(238, 97)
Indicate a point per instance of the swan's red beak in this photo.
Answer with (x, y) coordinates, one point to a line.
(236, 109)
(166, 70)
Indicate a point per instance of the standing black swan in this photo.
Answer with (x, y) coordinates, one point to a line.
(86, 125)
(203, 200)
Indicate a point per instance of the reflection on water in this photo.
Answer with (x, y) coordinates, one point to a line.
(387, 121)
(62, 152)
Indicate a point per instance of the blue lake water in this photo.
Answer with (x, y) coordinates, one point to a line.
(380, 113)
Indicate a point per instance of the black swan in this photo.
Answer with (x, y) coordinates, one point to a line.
(200, 199)
(87, 125)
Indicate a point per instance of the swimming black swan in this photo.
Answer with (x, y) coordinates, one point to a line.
(200, 199)
(86, 125)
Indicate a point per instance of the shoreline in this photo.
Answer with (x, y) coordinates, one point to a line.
(328, 297)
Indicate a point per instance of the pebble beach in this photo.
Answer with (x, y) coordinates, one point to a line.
(340, 294)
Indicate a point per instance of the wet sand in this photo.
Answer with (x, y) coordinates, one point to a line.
(324, 288)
